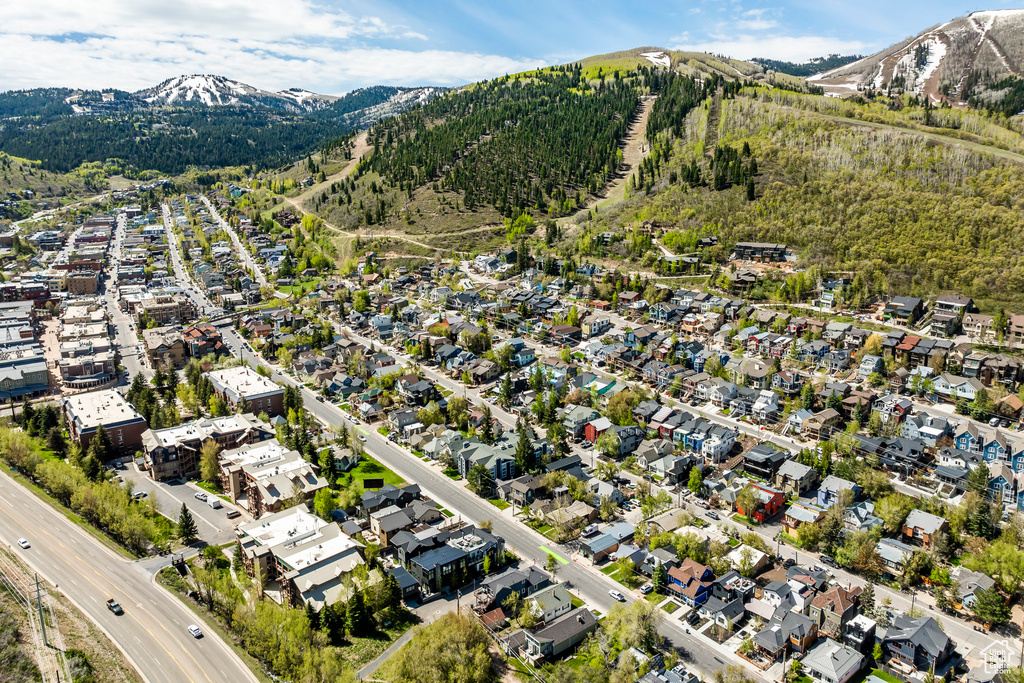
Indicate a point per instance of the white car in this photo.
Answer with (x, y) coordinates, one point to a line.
(616, 595)
(195, 631)
(23, 543)
(362, 437)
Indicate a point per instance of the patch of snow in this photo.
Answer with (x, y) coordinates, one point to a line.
(993, 13)
(657, 58)
(936, 51)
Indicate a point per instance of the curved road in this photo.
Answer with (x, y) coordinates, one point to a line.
(152, 631)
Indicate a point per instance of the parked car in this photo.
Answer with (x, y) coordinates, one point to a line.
(788, 562)
(712, 514)
(616, 595)
(646, 588)
(828, 561)
(234, 513)
(201, 496)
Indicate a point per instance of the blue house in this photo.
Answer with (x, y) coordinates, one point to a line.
(828, 491)
(692, 582)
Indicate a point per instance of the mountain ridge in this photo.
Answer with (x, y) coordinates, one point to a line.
(949, 62)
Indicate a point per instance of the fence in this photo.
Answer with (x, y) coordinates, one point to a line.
(46, 637)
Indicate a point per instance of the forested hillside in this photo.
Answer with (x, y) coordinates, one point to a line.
(808, 68)
(919, 200)
(535, 144)
(41, 125)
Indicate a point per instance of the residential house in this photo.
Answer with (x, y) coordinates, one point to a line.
(921, 527)
(795, 478)
(821, 425)
(831, 662)
(691, 582)
(770, 503)
(833, 609)
(799, 514)
(559, 636)
(830, 488)
(894, 555)
(764, 460)
(861, 517)
(918, 644)
(789, 631)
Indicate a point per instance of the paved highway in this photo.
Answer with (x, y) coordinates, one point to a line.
(152, 631)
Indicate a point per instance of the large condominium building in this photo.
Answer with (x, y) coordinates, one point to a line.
(307, 556)
(175, 451)
(268, 476)
(242, 383)
(86, 412)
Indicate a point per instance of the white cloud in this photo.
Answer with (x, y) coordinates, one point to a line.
(270, 44)
(755, 20)
(789, 48)
(135, 63)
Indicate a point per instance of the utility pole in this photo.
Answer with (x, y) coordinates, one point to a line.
(39, 605)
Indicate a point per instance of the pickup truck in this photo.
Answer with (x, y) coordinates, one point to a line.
(114, 607)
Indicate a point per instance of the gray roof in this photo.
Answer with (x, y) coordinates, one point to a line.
(794, 469)
(565, 627)
(832, 659)
(834, 483)
(894, 551)
(920, 631)
(927, 522)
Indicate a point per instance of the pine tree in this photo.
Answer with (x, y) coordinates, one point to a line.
(505, 395)
(236, 561)
(660, 579)
(355, 614)
(55, 441)
(393, 591)
(187, 530)
(100, 446)
(487, 427)
(525, 459)
(867, 600)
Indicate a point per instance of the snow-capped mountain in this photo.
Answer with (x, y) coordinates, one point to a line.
(212, 90)
(950, 61)
(402, 99)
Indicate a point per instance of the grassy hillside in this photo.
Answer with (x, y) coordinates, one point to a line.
(18, 175)
(914, 201)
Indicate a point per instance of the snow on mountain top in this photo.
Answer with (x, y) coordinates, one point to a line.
(207, 89)
(994, 13)
(657, 58)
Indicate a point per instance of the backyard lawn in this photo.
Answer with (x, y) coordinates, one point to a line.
(368, 468)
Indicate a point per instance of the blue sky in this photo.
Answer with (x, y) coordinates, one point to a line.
(333, 46)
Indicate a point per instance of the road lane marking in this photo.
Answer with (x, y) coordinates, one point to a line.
(553, 554)
(77, 567)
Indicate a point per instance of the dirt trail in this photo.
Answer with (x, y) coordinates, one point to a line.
(360, 146)
(711, 127)
(634, 148)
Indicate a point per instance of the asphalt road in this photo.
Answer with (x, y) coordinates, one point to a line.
(213, 525)
(246, 256)
(152, 631)
(130, 348)
(524, 541)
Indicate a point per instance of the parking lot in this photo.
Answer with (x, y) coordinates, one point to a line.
(214, 525)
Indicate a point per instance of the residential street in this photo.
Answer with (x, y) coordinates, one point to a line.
(152, 631)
